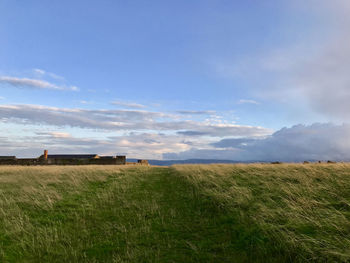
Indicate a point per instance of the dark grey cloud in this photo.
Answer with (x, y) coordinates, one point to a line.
(191, 133)
(221, 130)
(233, 143)
(298, 143)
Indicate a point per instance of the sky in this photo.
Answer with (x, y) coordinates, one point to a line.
(237, 80)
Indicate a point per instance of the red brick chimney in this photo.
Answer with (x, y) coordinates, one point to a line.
(45, 155)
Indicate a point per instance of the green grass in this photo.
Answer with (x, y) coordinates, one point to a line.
(185, 213)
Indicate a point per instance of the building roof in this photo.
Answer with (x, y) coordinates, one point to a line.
(72, 156)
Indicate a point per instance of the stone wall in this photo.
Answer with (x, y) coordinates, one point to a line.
(21, 161)
(118, 160)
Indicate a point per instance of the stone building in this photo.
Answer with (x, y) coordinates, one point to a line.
(64, 159)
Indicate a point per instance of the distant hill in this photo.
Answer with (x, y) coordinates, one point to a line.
(211, 161)
(188, 161)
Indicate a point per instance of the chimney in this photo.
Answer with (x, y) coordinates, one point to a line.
(45, 155)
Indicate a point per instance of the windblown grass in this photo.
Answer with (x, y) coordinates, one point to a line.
(297, 212)
(185, 213)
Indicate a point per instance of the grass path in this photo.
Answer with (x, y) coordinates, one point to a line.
(147, 215)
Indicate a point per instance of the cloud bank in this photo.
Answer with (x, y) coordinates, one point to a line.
(295, 144)
(157, 135)
(136, 133)
(119, 120)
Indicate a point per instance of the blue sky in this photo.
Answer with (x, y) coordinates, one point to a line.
(171, 79)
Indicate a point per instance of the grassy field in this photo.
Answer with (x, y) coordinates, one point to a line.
(184, 213)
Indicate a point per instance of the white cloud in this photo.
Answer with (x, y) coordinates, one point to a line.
(74, 88)
(321, 75)
(243, 101)
(319, 78)
(312, 72)
(33, 83)
(322, 79)
(43, 73)
(130, 105)
(39, 71)
(196, 112)
(55, 134)
(85, 102)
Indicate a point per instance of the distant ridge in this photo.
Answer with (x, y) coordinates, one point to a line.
(218, 161)
(189, 161)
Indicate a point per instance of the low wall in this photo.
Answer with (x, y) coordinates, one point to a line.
(8, 161)
(99, 161)
(29, 161)
(22, 161)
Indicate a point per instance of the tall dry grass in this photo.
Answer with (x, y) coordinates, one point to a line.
(38, 203)
(303, 209)
(185, 213)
